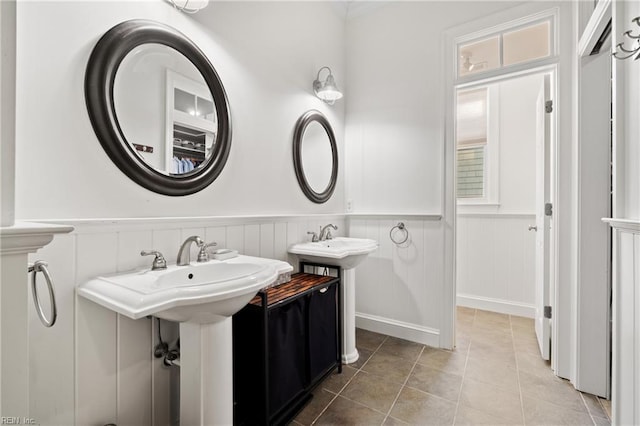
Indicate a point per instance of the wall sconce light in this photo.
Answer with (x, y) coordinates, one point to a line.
(326, 90)
(189, 6)
(471, 66)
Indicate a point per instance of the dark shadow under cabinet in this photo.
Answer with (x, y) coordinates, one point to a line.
(285, 342)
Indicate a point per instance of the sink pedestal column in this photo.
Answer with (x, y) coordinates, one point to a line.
(206, 376)
(349, 351)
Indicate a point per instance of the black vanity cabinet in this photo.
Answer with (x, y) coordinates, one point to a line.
(285, 341)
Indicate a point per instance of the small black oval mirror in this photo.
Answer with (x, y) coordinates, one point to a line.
(315, 156)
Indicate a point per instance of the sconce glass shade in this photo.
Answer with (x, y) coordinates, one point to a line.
(327, 90)
(189, 6)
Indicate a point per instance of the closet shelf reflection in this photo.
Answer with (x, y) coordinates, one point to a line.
(188, 150)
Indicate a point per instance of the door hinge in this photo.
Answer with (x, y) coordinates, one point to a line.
(547, 312)
(548, 209)
(548, 106)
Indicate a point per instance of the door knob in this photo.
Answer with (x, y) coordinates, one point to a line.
(533, 228)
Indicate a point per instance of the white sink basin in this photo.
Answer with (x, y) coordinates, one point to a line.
(199, 293)
(202, 297)
(341, 251)
(346, 253)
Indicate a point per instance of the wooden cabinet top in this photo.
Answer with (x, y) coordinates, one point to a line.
(300, 283)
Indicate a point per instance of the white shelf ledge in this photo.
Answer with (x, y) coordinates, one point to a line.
(28, 237)
(629, 225)
(418, 216)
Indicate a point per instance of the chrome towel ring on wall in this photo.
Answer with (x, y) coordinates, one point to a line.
(41, 266)
(400, 227)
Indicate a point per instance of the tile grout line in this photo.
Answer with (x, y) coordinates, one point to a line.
(325, 408)
(515, 355)
(604, 409)
(464, 370)
(587, 407)
(363, 404)
(403, 385)
(337, 394)
(512, 331)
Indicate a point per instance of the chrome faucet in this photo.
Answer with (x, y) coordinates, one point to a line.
(184, 254)
(325, 232)
(159, 261)
(203, 256)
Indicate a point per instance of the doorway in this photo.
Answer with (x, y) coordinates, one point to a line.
(504, 131)
(475, 55)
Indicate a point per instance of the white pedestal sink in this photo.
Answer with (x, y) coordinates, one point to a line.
(346, 253)
(202, 297)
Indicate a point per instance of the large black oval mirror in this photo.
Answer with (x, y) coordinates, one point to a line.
(315, 156)
(158, 107)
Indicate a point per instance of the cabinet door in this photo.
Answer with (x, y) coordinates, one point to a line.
(323, 331)
(287, 353)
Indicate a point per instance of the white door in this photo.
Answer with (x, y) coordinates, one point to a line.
(543, 220)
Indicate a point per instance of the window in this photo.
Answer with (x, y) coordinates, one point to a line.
(471, 172)
(483, 55)
(471, 139)
(511, 46)
(526, 44)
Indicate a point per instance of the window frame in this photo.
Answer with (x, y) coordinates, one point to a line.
(491, 175)
(549, 15)
(491, 199)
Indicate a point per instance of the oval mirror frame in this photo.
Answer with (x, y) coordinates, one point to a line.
(100, 75)
(298, 135)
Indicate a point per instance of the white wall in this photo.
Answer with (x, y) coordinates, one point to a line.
(267, 55)
(399, 287)
(394, 132)
(7, 112)
(627, 105)
(495, 251)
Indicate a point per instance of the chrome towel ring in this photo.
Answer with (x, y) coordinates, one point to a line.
(400, 226)
(41, 266)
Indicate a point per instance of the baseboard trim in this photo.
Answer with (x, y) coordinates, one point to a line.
(402, 330)
(496, 305)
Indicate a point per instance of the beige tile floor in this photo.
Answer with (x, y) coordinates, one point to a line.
(495, 376)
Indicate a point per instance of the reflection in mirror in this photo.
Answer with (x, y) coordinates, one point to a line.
(169, 103)
(165, 109)
(315, 156)
(317, 161)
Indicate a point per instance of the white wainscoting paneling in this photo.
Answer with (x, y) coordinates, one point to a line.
(52, 359)
(495, 263)
(95, 366)
(625, 368)
(399, 288)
